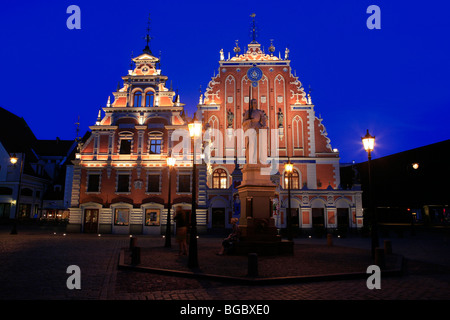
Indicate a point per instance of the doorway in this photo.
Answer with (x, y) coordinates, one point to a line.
(90, 220)
(318, 221)
(218, 218)
(343, 220)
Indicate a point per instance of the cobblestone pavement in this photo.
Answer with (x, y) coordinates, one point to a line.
(33, 265)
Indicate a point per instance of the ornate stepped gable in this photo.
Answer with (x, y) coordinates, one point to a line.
(279, 93)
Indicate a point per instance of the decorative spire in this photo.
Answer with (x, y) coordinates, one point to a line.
(254, 33)
(99, 117)
(108, 104)
(309, 96)
(131, 64)
(78, 128)
(236, 48)
(201, 96)
(271, 48)
(148, 38)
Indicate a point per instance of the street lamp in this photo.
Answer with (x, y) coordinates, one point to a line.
(14, 160)
(369, 144)
(195, 131)
(415, 174)
(289, 167)
(168, 242)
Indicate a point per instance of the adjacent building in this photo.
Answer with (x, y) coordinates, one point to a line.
(38, 178)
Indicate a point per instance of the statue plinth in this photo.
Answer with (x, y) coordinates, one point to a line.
(257, 226)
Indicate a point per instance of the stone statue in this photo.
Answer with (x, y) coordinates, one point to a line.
(230, 117)
(280, 118)
(254, 119)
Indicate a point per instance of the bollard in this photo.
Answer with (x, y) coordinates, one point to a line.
(329, 239)
(135, 255)
(252, 265)
(133, 242)
(379, 257)
(387, 247)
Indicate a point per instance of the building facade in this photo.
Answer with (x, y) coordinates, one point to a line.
(121, 177)
(34, 187)
(294, 133)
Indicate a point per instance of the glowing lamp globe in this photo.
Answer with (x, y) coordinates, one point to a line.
(368, 142)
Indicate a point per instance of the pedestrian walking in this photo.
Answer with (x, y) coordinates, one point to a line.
(181, 224)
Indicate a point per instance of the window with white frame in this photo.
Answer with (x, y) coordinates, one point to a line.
(137, 99)
(153, 182)
(93, 182)
(125, 142)
(155, 142)
(219, 179)
(123, 182)
(184, 182)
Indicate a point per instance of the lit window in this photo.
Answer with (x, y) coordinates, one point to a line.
(152, 217)
(121, 216)
(155, 146)
(220, 179)
(295, 180)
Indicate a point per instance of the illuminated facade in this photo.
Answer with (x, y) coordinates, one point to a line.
(121, 178)
(295, 132)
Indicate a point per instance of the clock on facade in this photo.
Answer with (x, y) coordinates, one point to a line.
(254, 74)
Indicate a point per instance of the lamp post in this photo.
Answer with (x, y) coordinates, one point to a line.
(195, 131)
(168, 242)
(288, 167)
(369, 144)
(14, 160)
(415, 167)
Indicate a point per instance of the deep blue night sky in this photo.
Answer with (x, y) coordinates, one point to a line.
(393, 81)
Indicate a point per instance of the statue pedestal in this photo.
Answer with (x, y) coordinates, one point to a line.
(258, 231)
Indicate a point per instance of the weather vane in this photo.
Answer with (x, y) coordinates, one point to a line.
(253, 15)
(147, 37)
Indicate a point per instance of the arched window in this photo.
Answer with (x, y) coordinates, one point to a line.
(295, 180)
(137, 99)
(149, 98)
(220, 179)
